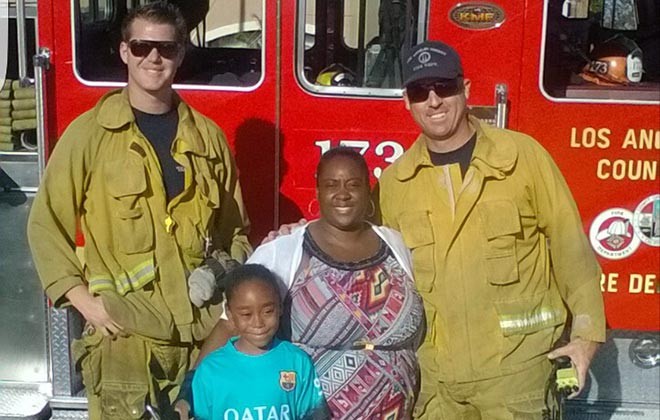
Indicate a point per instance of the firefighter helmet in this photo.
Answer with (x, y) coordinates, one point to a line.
(336, 75)
(616, 61)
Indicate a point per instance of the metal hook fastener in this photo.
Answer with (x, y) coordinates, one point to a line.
(152, 412)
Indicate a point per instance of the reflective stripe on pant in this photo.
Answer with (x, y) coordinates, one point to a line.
(122, 374)
(519, 396)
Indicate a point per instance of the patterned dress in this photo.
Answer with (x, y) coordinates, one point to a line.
(335, 308)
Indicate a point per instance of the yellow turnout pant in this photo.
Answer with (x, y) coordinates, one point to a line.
(123, 373)
(519, 396)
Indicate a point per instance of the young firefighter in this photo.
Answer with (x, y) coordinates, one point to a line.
(255, 375)
(152, 186)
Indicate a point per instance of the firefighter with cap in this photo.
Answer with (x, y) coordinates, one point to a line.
(152, 186)
(499, 252)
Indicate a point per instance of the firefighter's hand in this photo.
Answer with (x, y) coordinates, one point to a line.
(581, 352)
(201, 285)
(92, 309)
(285, 229)
(183, 408)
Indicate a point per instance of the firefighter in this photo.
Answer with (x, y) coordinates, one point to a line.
(152, 186)
(498, 251)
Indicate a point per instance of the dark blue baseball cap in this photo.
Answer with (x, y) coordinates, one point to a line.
(431, 60)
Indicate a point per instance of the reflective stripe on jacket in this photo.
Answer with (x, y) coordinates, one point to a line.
(481, 258)
(104, 173)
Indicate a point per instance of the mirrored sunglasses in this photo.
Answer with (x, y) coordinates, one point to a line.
(419, 92)
(142, 48)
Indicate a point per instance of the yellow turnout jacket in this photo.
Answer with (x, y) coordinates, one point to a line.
(497, 256)
(138, 249)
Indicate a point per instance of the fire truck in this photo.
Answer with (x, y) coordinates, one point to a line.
(287, 80)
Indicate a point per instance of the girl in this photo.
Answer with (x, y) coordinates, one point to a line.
(256, 376)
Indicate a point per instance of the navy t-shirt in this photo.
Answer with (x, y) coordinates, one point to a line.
(462, 155)
(160, 130)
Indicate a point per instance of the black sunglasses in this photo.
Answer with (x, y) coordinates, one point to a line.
(142, 48)
(419, 92)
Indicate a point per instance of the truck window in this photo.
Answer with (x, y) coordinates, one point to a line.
(602, 50)
(353, 47)
(224, 48)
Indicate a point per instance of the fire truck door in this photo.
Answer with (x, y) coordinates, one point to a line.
(24, 371)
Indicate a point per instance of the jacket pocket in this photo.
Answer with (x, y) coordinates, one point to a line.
(417, 233)
(123, 400)
(195, 220)
(501, 226)
(132, 226)
(86, 353)
(191, 238)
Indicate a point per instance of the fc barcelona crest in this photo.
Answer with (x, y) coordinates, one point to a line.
(287, 380)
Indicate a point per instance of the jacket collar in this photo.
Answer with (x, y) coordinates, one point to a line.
(114, 112)
(415, 158)
(494, 158)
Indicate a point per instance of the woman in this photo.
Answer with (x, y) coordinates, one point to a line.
(351, 300)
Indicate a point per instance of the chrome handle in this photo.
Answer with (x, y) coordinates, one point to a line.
(21, 40)
(501, 98)
(41, 62)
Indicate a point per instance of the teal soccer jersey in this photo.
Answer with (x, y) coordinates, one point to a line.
(280, 384)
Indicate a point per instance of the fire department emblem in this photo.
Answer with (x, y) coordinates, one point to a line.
(287, 380)
(612, 234)
(477, 16)
(646, 220)
(424, 57)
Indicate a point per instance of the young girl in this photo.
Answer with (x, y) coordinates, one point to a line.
(256, 376)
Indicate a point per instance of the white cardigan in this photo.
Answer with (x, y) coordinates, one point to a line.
(284, 254)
